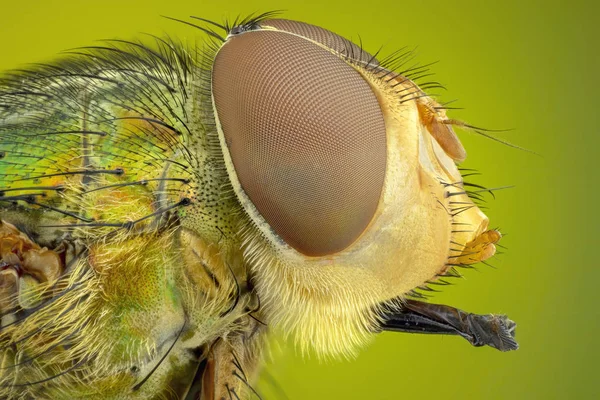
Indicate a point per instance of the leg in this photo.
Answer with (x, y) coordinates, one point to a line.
(231, 366)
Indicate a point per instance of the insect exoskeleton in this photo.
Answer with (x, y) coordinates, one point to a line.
(346, 171)
(163, 207)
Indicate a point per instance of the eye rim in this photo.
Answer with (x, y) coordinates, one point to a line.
(345, 48)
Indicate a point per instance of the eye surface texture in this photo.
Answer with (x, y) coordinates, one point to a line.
(305, 134)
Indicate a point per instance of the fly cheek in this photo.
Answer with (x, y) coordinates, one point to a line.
(304, 132)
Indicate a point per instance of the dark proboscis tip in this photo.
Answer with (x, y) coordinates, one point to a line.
(496, 331)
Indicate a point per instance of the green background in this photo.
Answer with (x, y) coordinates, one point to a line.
(528, 65)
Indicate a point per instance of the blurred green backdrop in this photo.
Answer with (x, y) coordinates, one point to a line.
(529, 65)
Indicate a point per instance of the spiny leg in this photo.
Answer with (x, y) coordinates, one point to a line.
(232, 364)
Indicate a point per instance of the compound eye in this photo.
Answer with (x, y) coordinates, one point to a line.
(305, 134)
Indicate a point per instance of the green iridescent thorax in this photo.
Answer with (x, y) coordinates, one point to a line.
(112, 166)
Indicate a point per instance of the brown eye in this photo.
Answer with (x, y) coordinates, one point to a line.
(305, 134)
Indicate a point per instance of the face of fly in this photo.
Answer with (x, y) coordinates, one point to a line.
(347, 174)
